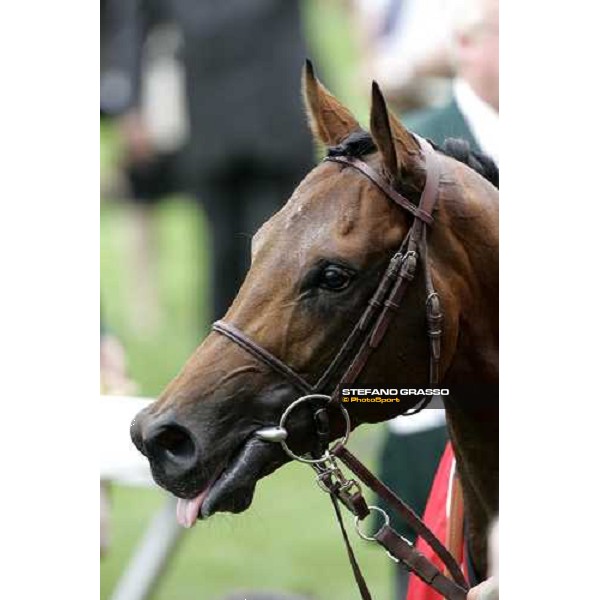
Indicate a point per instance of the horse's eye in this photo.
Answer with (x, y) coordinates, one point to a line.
(334, 277)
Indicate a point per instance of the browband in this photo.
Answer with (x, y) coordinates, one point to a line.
(383, 185)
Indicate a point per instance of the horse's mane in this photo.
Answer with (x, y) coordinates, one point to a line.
(360, 143)
(478, 161)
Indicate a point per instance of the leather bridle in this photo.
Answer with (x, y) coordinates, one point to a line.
(367, 335)
(377, 316)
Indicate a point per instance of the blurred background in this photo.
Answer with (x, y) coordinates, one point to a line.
(200, 118)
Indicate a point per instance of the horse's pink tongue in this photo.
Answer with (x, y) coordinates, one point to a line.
(187, 510)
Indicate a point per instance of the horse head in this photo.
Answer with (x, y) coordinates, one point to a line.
(315, 264)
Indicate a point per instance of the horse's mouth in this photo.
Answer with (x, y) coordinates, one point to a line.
(188, 509)
(232, 488)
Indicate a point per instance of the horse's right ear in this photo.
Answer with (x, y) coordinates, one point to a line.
(331, 122)
(398, 147)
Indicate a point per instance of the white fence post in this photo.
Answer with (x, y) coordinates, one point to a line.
(151, 556)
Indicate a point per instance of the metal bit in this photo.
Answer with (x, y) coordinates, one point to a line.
(271, 434)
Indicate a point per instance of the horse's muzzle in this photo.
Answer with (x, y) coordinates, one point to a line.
(168, 444)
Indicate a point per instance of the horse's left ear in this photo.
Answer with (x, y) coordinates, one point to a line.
(331, 122)
(397, 146)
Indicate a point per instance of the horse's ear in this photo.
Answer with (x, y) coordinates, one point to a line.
(382, 132)
(397, 146)
(330, 121)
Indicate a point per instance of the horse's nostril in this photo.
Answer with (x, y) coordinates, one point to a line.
(173, 442)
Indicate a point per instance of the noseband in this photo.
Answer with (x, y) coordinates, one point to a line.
(385, 302)
(367, 336)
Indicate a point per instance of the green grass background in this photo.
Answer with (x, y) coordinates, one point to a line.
(288, 539)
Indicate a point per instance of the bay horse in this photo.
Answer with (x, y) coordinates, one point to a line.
(315, 265)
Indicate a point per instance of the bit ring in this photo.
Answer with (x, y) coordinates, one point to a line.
(285, 415)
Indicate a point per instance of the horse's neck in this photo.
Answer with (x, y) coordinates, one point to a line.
(472, 376)
(472, 416)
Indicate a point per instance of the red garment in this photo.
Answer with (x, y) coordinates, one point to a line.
(436, 518)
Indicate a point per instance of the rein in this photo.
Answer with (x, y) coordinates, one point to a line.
(368, 334)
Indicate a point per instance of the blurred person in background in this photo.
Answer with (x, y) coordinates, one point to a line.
(149, 111)
(247, 143)
(472, 113)
(114, 376)
(413, 446)
(405, 45)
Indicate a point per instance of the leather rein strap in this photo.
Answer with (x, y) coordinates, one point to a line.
(401, 549)
(368, 334)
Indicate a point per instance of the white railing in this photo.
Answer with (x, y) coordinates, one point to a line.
(120, 462)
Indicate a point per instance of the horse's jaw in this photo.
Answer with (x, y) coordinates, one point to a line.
(233, 490)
